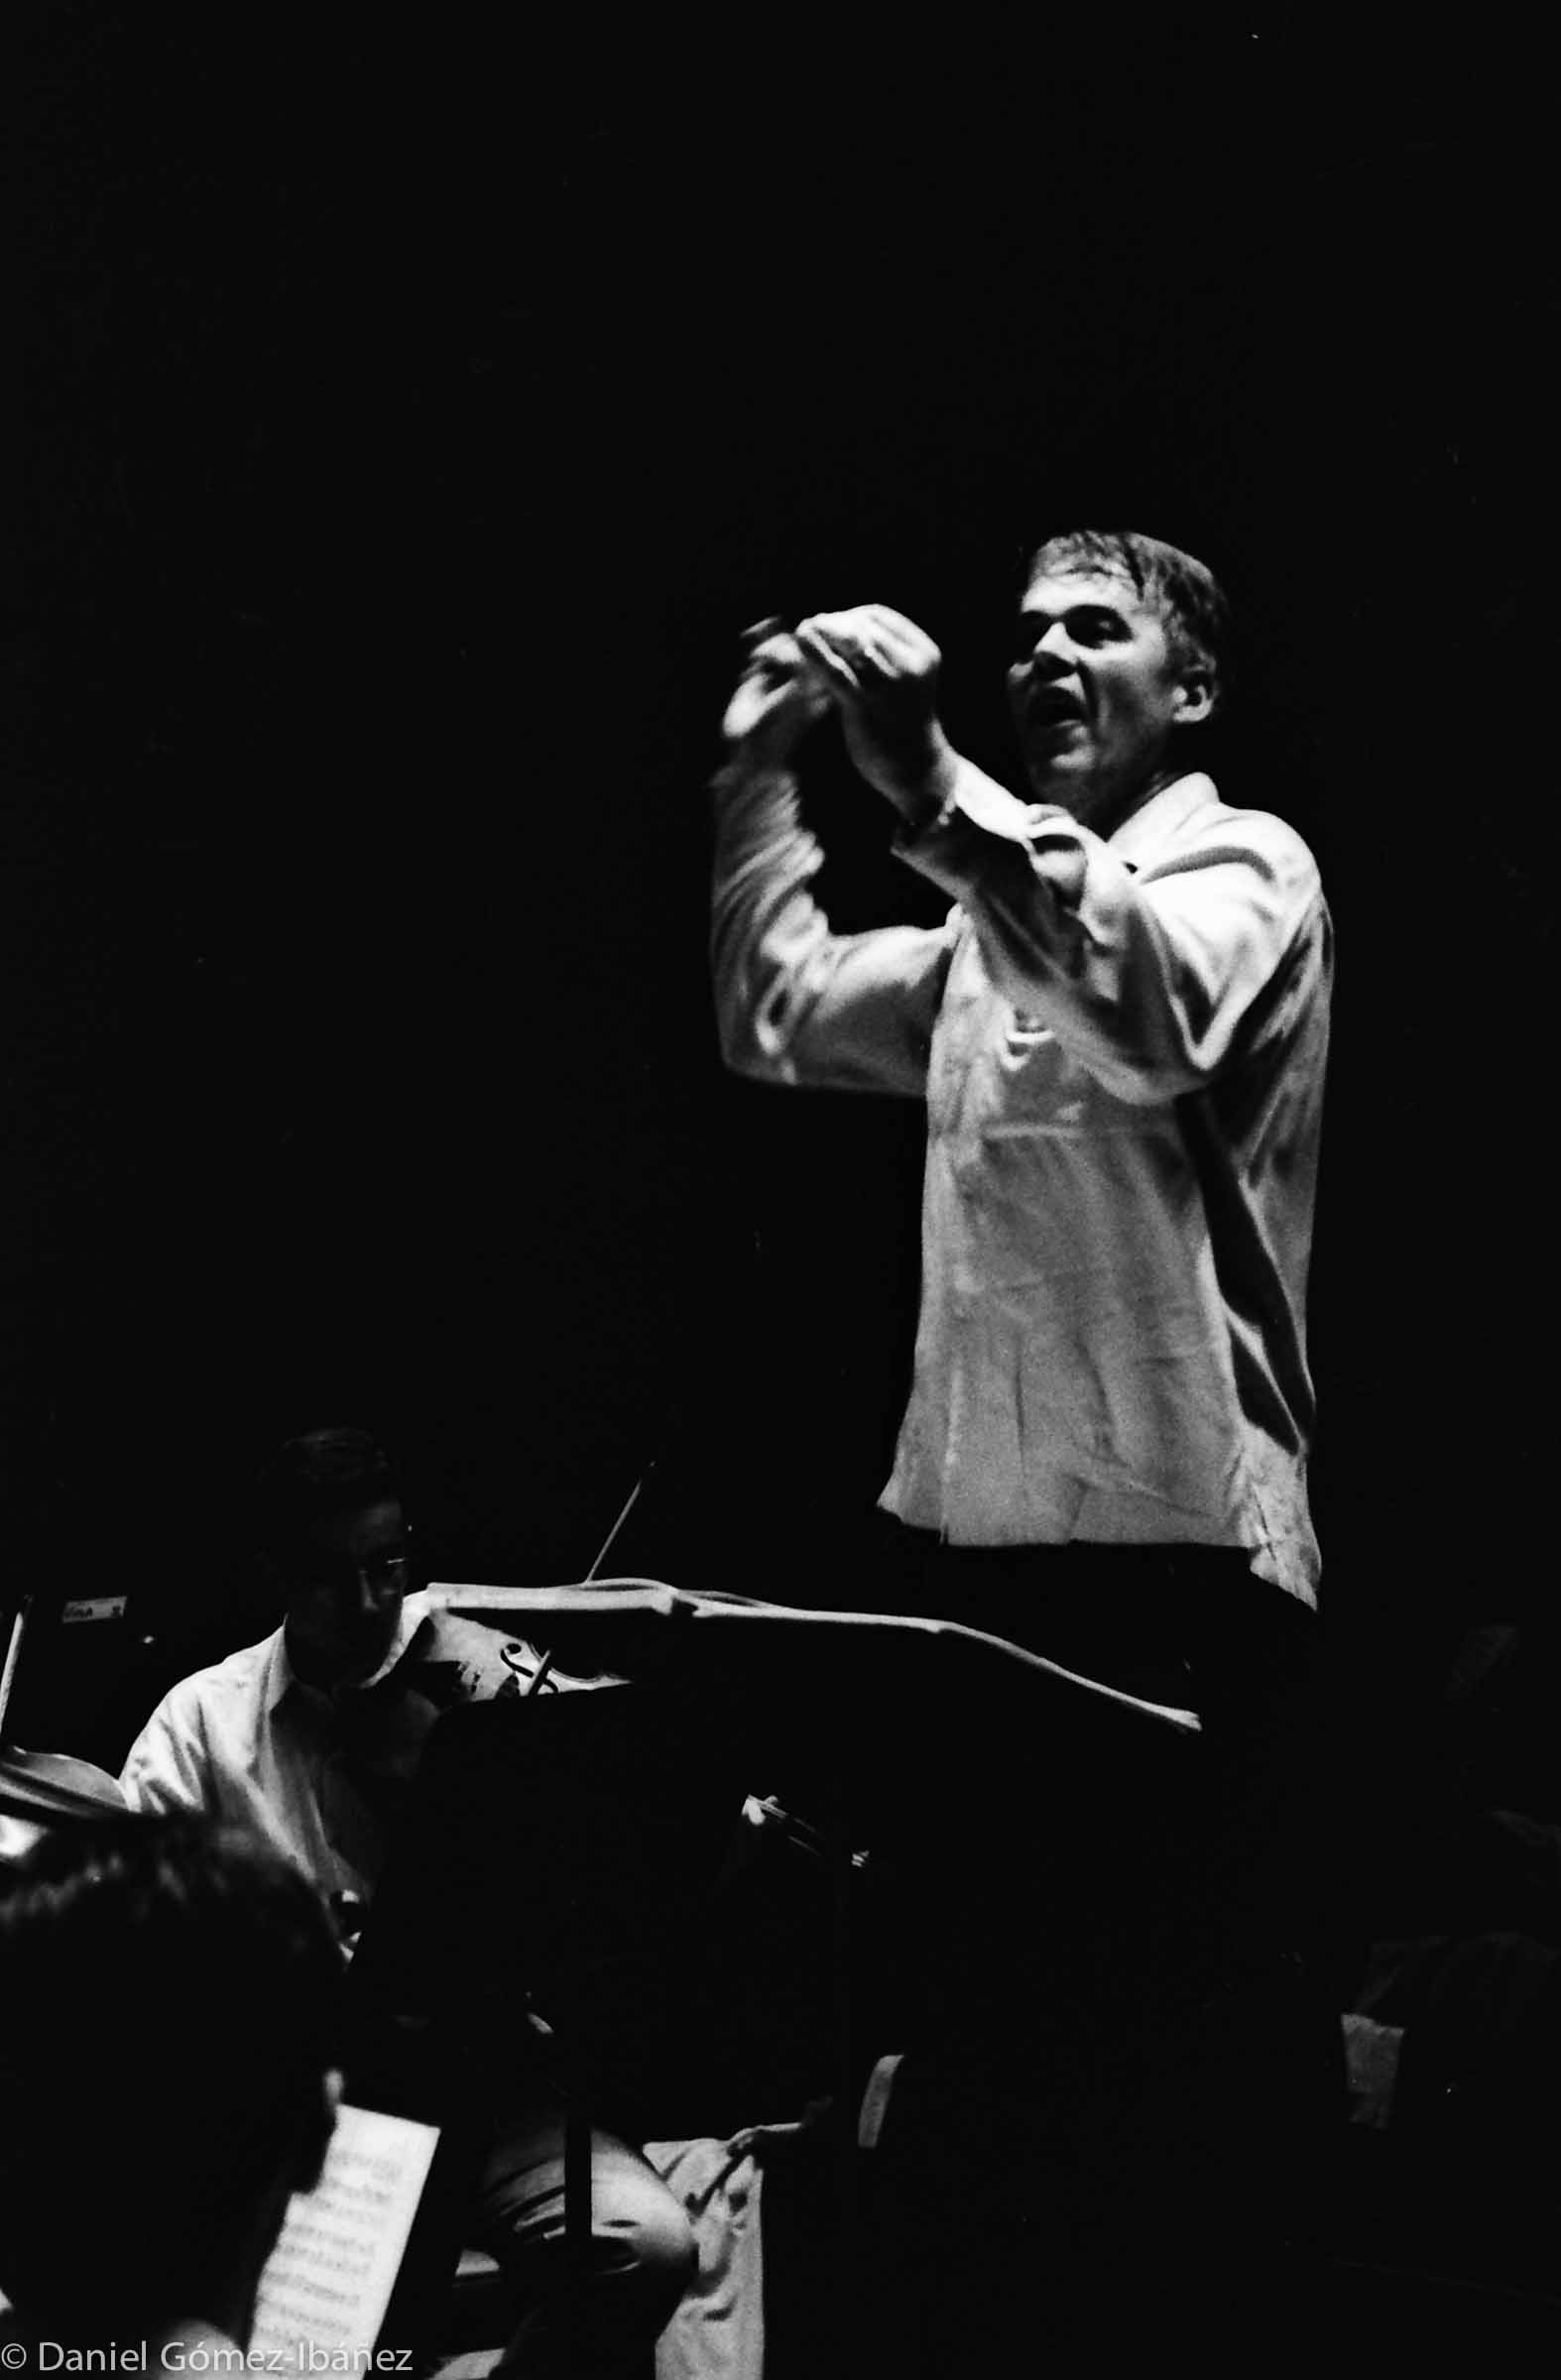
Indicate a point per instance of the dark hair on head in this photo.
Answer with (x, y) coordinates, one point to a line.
(1183, 590)
(173, 1997)
(318, 1477)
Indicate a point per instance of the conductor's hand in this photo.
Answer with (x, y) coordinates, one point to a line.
(778, 696)
(882, 671)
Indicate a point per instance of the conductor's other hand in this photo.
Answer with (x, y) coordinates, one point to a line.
(778, 696)
(882, 671)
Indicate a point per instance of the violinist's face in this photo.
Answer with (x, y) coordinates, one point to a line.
(345, 1580)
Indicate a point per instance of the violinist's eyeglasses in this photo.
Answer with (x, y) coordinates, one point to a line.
(381, 1574)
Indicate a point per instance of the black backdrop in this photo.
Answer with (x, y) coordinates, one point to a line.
(404, 423)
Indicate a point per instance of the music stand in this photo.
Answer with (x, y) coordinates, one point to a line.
(609, 1811)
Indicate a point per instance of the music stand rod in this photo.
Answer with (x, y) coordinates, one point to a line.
(13, 1655)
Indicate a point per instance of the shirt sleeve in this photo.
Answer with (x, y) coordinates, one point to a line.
(1153, 980)
(797, 1003)
(167, 1770)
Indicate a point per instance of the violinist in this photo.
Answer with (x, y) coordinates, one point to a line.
(309, 1739)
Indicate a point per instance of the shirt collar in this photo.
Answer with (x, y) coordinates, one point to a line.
(282, 1678)
(1140, 836)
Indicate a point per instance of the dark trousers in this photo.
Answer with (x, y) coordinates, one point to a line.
(1189, 1626)
(1139, 2073)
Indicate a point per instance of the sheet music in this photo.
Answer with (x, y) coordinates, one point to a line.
(328, 2280)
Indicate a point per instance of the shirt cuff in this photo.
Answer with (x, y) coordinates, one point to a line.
(953, 841)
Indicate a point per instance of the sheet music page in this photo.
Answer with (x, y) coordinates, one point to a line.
(328, 2280)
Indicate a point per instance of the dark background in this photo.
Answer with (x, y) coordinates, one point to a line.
(401, 423)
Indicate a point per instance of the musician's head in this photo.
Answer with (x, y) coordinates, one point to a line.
(1122, 650)
(333, 1542)
(172, 2017)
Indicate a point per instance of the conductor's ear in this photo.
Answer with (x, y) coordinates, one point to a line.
(1196, 697)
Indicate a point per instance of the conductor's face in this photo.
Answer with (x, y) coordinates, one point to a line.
(1097, 696)
(345, 1580)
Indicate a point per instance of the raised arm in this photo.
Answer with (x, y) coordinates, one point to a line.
(1151, 958)
(1154, 974)
(797, 1003)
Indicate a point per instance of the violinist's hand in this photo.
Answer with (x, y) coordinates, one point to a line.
(778, 698)
(883, 673)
